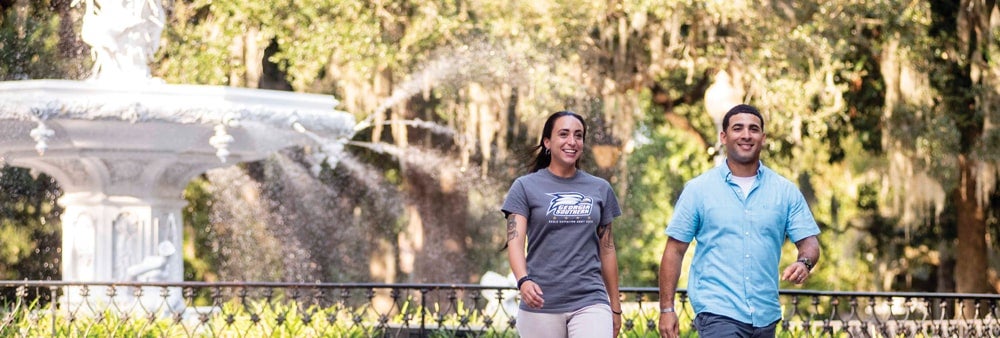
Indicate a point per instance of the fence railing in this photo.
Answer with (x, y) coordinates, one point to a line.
(236, 309)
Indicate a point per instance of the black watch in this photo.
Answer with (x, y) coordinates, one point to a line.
(806, 261)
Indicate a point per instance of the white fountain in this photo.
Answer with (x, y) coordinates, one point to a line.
(124, 145)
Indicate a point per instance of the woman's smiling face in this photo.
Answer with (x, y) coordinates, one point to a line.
(566, 141)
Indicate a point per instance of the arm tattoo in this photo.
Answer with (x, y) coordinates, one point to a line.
(605, 237)
(511, 228)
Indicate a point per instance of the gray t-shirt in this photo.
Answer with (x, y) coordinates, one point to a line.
(563, 253)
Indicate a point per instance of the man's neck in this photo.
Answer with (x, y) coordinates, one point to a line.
(743, 169)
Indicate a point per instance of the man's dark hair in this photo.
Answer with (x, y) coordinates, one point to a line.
(741, 109)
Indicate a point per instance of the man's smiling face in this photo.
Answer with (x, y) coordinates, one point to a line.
(743, 138)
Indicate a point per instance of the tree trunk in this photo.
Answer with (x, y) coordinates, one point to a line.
(70, 45)
(436, 218)
(970, 268)
(975, 38)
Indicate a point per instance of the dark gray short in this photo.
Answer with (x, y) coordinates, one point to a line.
(710, 325)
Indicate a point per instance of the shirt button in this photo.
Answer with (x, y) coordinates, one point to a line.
(747, 256)
(747, 278)
(747, 233)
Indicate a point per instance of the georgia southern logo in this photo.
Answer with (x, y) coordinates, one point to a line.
(570, 204)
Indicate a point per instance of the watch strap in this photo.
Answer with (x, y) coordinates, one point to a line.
(806, 262)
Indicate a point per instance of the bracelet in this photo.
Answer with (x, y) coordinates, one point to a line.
(667, 310)
(616, 312)
(522, 280)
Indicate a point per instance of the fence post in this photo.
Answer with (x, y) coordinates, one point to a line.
(423, 311)
(52, 309)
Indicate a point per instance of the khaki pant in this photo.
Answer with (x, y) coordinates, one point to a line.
(589, 322)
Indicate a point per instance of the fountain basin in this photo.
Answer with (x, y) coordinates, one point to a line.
(93, 115)
(156, 126)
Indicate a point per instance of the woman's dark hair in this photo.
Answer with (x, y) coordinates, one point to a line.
(544, 156)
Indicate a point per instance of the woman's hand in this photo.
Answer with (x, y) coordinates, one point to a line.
(617, 320)
(531, 294)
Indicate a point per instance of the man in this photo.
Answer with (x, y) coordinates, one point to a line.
(740, 213)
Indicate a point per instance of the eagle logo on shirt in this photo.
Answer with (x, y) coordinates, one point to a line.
(570, 204)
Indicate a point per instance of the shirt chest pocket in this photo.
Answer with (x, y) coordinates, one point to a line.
(768, 221)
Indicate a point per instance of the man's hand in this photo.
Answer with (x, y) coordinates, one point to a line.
(669, 327)
(796, 273)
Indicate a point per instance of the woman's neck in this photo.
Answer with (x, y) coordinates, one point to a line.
(564, 172)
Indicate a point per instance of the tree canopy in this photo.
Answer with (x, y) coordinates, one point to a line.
(883, 112)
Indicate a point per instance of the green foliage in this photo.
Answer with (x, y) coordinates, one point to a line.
(30, 44)
(643, 323)
(203, 58)
(662, 162)
(35, 320)
(276, 317)
(29, 227)
(200, 260)
(30, 47)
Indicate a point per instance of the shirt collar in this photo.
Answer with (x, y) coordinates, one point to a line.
(727, 173)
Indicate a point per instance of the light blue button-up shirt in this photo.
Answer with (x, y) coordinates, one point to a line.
(735, 269)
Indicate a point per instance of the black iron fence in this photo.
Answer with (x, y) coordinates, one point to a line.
(236, 309)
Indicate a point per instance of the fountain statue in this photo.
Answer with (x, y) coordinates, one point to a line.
(123, 37)
(152, 268)
(123, 145)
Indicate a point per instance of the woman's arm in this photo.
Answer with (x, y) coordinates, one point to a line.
(609, 271)
(517, 228)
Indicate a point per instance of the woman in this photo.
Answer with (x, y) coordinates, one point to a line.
(568, 280)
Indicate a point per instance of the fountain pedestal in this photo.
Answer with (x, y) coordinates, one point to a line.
(122, 239)
(105, 236)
